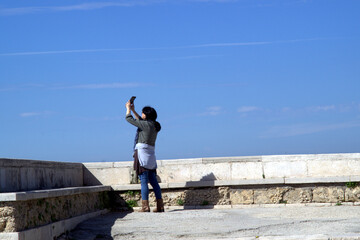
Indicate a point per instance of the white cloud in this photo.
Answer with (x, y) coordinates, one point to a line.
(33, 114)
(29, 114)
(212, 111)
(123, 3)
(172, 58)
(161, 59)
(70, 51)
(246, 109)
(102, 86)
(208, 45)
(78, 7)
(286, 109)
(93, 6)
(81, 86)
(322, 108)
(235, 44)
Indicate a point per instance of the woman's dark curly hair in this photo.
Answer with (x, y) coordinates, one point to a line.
(151, 115)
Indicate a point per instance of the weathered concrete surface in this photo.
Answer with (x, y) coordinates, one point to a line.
(26, 175)
(17, 216)
(265, 222)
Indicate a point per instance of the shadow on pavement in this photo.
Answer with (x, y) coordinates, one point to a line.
(98, 228)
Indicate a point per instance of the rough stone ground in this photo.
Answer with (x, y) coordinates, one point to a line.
(255, 222)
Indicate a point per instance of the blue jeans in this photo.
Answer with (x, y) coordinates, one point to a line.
(149, 177)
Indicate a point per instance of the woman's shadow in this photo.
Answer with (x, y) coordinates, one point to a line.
(98, 228)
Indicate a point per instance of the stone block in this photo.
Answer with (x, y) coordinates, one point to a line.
(328, 194)
(298, 195)
(352, 194)
(246, 170)
(333, 168)
(270, 195)
(354, 167)
(285, 169)
(173, 198)
(174, 173)
(107, 176)
(210, 172)
(207, 196)
(242, 196)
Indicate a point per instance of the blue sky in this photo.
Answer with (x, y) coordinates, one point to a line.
(227, 77)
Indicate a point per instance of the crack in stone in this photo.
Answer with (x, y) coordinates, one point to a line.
(189, 235)
(285, 224)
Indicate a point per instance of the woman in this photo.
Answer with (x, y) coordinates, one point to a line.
(144, 153)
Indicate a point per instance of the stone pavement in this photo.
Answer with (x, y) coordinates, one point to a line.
(285, 222)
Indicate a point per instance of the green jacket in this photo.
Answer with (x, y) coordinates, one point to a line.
(147, 131)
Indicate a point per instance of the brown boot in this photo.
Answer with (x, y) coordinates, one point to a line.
(159, 206)
(145, 206)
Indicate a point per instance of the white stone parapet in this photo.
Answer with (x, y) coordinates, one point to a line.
(25, 175)
(50, 193)
(291, 169)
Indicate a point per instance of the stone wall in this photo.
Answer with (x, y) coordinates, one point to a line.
(288, 168)
(16, 216)
(232, 195)
(227, 181)
(24, 175)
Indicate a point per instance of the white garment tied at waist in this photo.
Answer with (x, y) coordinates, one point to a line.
(146, 155)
